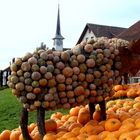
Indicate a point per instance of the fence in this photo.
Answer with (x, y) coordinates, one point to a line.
(134, 79)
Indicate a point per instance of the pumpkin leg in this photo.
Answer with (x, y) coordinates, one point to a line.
(91, 109)
(24, 124)
(41, 121)
(126, 78)
(103, 110)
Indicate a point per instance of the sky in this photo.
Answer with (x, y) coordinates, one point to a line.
(24, 24)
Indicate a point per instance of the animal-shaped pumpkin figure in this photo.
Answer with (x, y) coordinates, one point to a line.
(48, 79)
(130, 59)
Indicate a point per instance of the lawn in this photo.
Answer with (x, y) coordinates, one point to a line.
(10, 109)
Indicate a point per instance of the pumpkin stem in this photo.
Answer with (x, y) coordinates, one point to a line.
(24, 124)
(91, 109)
(103, 110)
(41, 121)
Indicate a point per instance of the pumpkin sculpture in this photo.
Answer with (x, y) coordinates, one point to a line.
(48, 79)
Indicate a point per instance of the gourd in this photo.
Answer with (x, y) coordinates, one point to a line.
(49, 79)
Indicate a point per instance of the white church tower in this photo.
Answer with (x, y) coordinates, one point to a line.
(58, 39)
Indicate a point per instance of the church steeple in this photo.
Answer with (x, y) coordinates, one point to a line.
(58, 39)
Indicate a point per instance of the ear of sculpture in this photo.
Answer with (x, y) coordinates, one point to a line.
(134, 46)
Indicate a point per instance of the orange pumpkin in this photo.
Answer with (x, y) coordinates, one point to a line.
(82, 136)
(138, 137)
(73, 118)
(50, 125)
(31, 127)
(129, 120)
(83, 116)
(50, 136)
(60, 134)
(68, 135)
(137, 123)
(62, 139)
(65, 117)
(68, 123)
(110, 136)
(112, 124)
(93, 137)
(136, 105)
(21, 137)
(74, 111)
(127, 127)
(73, 138)
(56, 115)
(118, 87)
(131, 93)
(76, 130)
(116, 134)
(5, 135)
(97, 115)
(137, 98)
(61, 129)
(92, 122)
(35, 136)
(74, 125)
(130, 135)
(103, 134)
(15, 135)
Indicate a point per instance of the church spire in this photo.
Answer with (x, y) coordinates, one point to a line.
(58, 30)
(58, 39)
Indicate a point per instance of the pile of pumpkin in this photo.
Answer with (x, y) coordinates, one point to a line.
(123, 123)
(126, 91)
(69, 78)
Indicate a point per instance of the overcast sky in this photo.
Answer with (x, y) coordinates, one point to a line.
(24, 24)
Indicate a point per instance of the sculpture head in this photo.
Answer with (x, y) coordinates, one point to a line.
(130, 58)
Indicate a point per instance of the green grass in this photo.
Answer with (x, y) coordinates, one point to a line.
(10, 109)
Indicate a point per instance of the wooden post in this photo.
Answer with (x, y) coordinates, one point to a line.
(126, 78)
(103, 110)
(24, 124)
(41, 121)
(91, 109)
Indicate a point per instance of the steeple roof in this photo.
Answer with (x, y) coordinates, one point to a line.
(58, 29)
